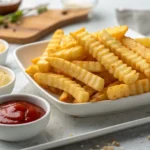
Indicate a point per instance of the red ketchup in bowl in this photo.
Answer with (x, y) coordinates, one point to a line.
(19, 112)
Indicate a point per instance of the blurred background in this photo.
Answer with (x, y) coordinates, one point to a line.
(104, 12)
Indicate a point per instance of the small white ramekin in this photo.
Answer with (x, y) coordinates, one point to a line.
(7, 89)
(3, 55)
(24, 131)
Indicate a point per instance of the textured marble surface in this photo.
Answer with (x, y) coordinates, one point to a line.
(134, 139)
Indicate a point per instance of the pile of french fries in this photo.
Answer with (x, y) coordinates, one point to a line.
(89, 67)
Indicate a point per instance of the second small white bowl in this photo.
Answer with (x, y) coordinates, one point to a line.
(7, 89)
(3, 55)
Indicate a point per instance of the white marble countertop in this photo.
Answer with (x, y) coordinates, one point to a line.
(103, 16)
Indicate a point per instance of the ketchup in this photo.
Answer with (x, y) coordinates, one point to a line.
(18, 112)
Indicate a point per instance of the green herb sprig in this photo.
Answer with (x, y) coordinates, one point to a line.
(16, 16)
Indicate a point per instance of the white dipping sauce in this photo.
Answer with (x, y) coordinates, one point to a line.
(2, 47)
(4, 78)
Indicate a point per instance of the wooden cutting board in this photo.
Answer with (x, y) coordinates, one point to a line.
(32, 28)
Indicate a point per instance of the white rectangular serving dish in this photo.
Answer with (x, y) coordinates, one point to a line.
(23, 56)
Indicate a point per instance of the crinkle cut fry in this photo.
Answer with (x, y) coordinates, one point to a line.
(54, 43)
(43, 65)
(52, 47)
(99, 96)
(64, 96)
(68, 42)
(136, 47)
(63, 83)
(111, 62)
(92, 66)
(130, 58)
(35, 60)
(77, 72)
(31, 70)
(88, 89)
(124, 90)
(70, 54)
(144, 41)
(118, 32)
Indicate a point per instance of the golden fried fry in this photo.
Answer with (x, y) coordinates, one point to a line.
(63, 83)
(130, 58)
(118, 91)
(35, 60)
(91, 66)
(68, 42)
(52, 47)
(64, 96)
(77, 72)
(137, 48)
(54, 43)
(99, 96)
(111, 62)
(57, 71)
(31, 70)
(123, 90)
(144, 41)
(95, 34)
(44, 66)
(117, 32)
(141, 86)
(71, 54)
